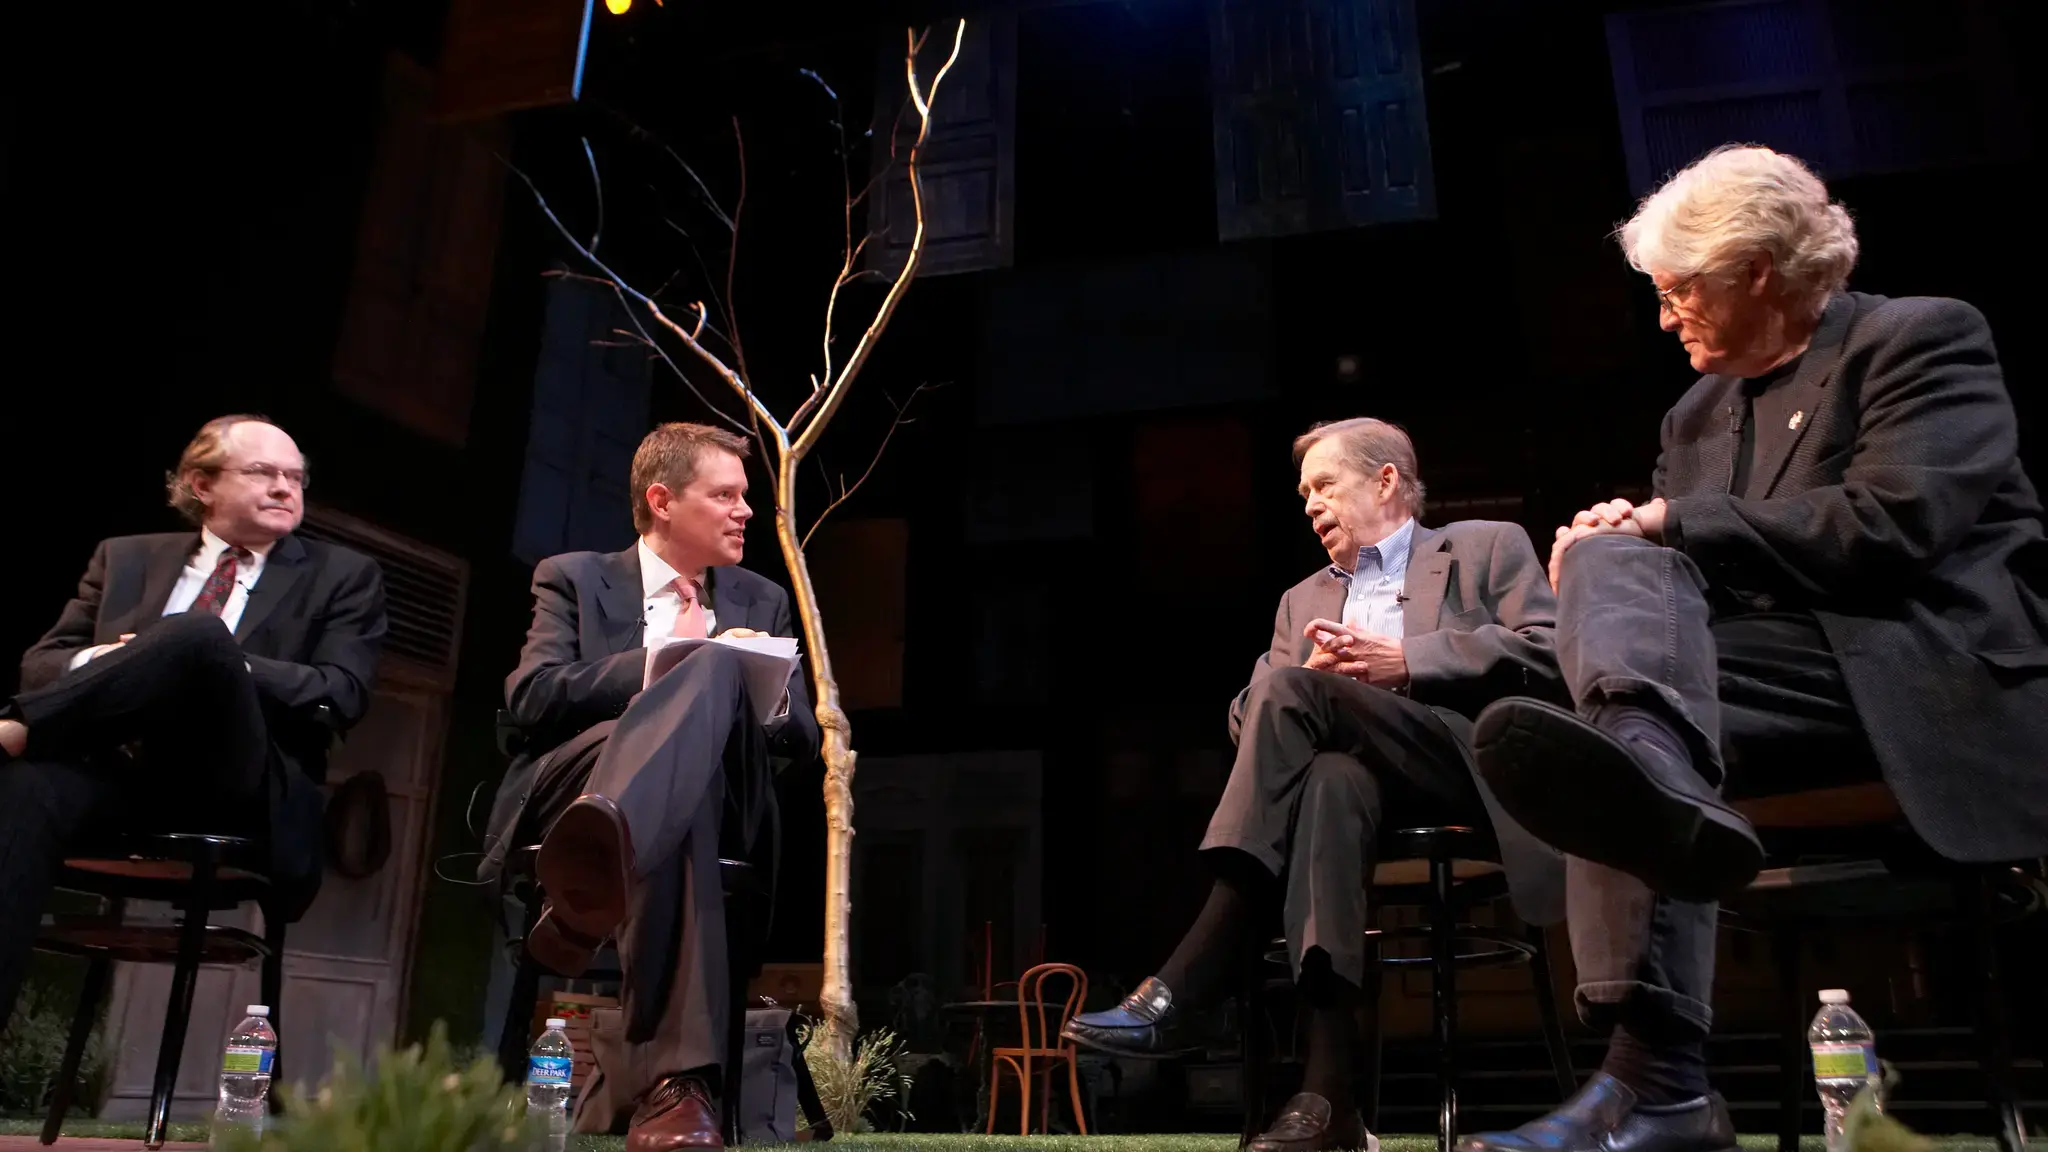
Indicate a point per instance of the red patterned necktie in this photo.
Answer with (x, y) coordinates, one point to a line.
(213, 595)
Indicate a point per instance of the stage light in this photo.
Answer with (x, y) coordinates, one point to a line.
(617, 7)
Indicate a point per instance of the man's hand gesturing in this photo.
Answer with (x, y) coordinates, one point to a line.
(1374, 660)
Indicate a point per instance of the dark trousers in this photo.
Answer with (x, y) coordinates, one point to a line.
(688, 767)
(182, 690)
(1321, 761)
(1761, 698)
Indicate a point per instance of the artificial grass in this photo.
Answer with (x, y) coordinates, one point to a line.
(917, 1142)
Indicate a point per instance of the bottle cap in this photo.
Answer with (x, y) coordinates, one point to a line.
(1834, 995)
(557, 1022)
(262, 1010)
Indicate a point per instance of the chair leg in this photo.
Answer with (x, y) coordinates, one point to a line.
(1074, 1089)
(1992, 1026)
(1553, 1025)
(1370, 1043)
(1252, 1048)
(1792, 1053)
(82, 1021)
(995, 1091)
(1024, 1090)
(739, 953)
(273, 995)
(514, 1038)
(178, 1012)
(1443, 910)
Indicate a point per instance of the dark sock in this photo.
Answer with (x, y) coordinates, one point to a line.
(1637, 725)
(1663, 1073)
(1332, 1033)
(1200, 969)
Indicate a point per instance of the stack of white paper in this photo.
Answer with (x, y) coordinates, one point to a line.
(767, 662)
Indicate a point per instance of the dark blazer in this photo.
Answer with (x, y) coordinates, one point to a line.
(1887, 498)
(584, 660)
(311, 632)
(1479, 622)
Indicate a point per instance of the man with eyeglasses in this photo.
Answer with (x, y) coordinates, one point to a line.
(194, 683)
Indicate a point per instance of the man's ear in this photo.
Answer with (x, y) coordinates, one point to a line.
(201, 483)
(658, 497)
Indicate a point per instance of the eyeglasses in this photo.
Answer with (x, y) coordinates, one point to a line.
(271, 474)
(1669, 299)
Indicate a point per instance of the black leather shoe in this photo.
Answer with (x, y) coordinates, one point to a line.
(1623, 804)
(1306, 1124)
(1607, 1116)
(1146, 1026)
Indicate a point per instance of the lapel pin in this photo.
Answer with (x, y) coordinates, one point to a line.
(1793, 423)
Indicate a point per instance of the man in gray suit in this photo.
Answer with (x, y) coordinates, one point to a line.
(632, 785)
(1357, 715)
(1840, 578)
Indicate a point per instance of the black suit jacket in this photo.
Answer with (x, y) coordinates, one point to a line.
(585, 658)
(311, 632)
(1887, 498)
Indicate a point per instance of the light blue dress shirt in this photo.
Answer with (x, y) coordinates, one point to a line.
(1373, 603)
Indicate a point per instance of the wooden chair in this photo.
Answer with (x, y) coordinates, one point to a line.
(1038, 1046)
(197, 874)
(1445, 870)
(1876, 868)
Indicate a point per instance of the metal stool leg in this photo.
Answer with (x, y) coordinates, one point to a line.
(1792, 1053)
(1370, 1043)
(1252, 1046)
(82, 1021)
(1553, 1025)
(1444, 989)
(1992, 1028)
(514, 1038)
(178, 1012)
(273, 995)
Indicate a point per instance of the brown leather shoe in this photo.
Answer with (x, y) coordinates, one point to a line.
(676, 1113)
(1306, 1125)
(560, 948)
(585, 866)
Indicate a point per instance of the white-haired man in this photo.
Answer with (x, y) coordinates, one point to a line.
(1839, 574)
(1359, 713)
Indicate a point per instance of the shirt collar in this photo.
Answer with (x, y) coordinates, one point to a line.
(1390, 553)
(655, 573)
(211, 546)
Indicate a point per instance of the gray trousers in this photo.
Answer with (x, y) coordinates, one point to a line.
(1761, 699)
(1321, 761)
(689, 769)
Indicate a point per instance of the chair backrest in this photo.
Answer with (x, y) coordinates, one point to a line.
(1031, 995)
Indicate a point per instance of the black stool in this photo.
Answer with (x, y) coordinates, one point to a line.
(197, 874)
(737, 879)
(1446, 891)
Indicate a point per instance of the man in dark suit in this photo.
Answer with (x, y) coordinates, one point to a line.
(1358, 714)
(630, 785)
(195, 682)
(1839, 578)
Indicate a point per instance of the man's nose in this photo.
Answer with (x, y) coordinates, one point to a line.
(1668, 320)
(743, 512)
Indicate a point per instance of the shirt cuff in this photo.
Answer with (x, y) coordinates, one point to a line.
(782, 709)
(86, 655)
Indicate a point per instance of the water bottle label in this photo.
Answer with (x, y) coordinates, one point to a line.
(255, 1061)
(1844, 1061)
(552, 1071)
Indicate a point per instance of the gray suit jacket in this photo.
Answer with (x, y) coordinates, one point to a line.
(1887, 498)
(584, 660)
(1479, 619)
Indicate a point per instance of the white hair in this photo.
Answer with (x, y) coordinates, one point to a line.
(1735, 202)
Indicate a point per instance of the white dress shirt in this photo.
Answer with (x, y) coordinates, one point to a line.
(198, 569)
(661, 604)
(661, 601)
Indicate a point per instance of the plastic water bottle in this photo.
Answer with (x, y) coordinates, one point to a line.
(1844, 1059)
(245, 1076)
(547, 1082)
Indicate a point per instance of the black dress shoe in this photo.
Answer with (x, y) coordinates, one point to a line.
(1626, 804)
(1607, 1116)
(1306, 1124)
(1146, 1026)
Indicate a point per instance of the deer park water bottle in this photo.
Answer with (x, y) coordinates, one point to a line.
(245, 1075)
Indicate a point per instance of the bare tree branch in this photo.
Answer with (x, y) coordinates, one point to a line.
(732, 256)
(846, 493)
(835, 390)
(597, 189)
